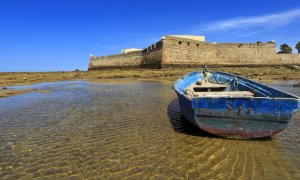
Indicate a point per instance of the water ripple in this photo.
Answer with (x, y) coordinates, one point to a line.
(133, 131)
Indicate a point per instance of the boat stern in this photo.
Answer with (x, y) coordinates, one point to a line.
(243, 118)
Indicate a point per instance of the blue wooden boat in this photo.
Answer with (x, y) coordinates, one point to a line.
(231, 106)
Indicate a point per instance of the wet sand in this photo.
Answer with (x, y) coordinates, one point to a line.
(134, 130)
(13, 92)
(260, 74)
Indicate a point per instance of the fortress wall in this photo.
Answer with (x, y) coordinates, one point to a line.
(246, 53)
(186, 51)
(177, 51)
(289, 58)
(267, 53)
(152, 55)
(130, 59)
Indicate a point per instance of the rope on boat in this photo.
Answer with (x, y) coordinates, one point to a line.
(215, 77)
(234, 81)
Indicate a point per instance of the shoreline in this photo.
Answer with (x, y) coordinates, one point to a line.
(167, 74)
(259, 74)
(13, 92)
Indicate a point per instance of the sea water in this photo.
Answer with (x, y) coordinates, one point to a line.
(129, 130)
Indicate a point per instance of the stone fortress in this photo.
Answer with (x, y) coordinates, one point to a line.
(185, 50)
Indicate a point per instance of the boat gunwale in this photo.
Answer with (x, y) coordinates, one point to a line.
(228, 74)
(294, 97)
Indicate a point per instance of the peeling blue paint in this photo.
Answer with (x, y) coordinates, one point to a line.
(265, 114)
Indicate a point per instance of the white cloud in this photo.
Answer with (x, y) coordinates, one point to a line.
(263, 21)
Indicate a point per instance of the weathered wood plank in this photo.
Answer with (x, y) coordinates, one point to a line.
(224, 94)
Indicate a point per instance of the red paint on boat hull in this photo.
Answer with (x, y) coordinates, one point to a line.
(238, 134)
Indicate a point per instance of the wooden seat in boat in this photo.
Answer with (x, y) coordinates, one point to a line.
(235, 94)
(207, 89)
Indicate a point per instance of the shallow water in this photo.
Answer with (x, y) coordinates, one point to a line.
(132, 130)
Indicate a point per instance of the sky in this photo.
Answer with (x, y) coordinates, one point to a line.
(60, 35)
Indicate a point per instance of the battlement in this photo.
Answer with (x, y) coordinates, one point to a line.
(153, 47)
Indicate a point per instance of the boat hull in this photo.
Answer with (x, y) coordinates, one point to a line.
(262, 115)
(225, 117)
(239, 128)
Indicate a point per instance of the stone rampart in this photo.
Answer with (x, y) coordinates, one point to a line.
(289, 58)
(246, 53)
(152, 55)
(131, 59)
(185, 51)
(181, 51)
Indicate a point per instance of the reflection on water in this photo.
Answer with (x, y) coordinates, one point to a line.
(111, 130)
